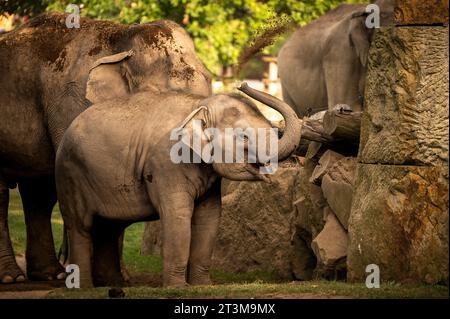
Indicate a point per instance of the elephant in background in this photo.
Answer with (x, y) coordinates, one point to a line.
(44, 72)
(114, 168)
(324, 63)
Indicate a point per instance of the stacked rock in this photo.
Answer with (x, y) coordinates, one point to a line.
(399, 217)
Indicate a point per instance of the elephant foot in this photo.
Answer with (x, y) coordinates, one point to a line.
(10, 273)
(199, 278)
(116, 280)
(200, 281)
(198, 274)
(174, 281)
(46, 273)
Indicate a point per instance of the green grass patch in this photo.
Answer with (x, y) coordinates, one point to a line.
(311, 289)
(132, 252)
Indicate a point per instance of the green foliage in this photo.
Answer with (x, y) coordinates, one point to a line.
(220, 28)
(23, 7)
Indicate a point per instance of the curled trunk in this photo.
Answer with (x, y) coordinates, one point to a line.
(292, 132)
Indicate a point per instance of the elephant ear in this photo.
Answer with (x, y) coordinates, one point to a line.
(195, 124)
(109, 77)
(360, 36)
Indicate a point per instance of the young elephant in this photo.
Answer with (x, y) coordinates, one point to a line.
(114, 168)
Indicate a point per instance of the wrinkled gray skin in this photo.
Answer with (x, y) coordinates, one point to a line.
(113, 168)
(44, 69)
(324, 63)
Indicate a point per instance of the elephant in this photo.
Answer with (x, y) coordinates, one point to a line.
(324, 63)
(44, 72)
(114, 168)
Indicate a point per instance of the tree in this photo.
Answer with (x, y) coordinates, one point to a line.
(20, 7)
(220, 28)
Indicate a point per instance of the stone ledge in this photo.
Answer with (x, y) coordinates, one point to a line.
(405, 120)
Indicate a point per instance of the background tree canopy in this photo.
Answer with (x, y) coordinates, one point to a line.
(220, 28)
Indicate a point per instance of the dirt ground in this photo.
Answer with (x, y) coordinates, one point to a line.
(39, 289)
(146, 285)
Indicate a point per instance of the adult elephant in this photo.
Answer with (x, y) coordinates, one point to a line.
(102, 188)
(44, 70)
(324, 63)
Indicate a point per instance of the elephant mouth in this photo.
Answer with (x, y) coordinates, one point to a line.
(254, 169)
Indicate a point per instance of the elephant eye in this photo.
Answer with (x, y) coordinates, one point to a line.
(243, 137)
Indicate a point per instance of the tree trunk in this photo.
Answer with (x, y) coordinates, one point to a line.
(335, 129)
(342, 125)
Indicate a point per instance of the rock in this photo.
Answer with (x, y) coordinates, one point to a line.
(325, 163)
(304, 265)
(337, 187)
(330, 245)
(405, 121)
(151, 242)
(419, 12)
(255, 231)
(307, 220)
(399, 221)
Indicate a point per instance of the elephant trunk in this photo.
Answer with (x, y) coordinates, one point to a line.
(292, 132)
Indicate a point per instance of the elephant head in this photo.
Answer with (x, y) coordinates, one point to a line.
(157, 56)
(228, 112)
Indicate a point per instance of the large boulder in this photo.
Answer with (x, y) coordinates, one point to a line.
(255, 230)
(399, 221)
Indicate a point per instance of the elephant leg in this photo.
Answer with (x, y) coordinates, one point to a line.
(204, 229)
(80, 245)
(337, 92)
(9, 271)
(106, 257)
(176, 212)
(38, 198)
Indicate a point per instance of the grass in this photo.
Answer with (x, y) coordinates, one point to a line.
(310, 289)
(132, 252)
(228, 285)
